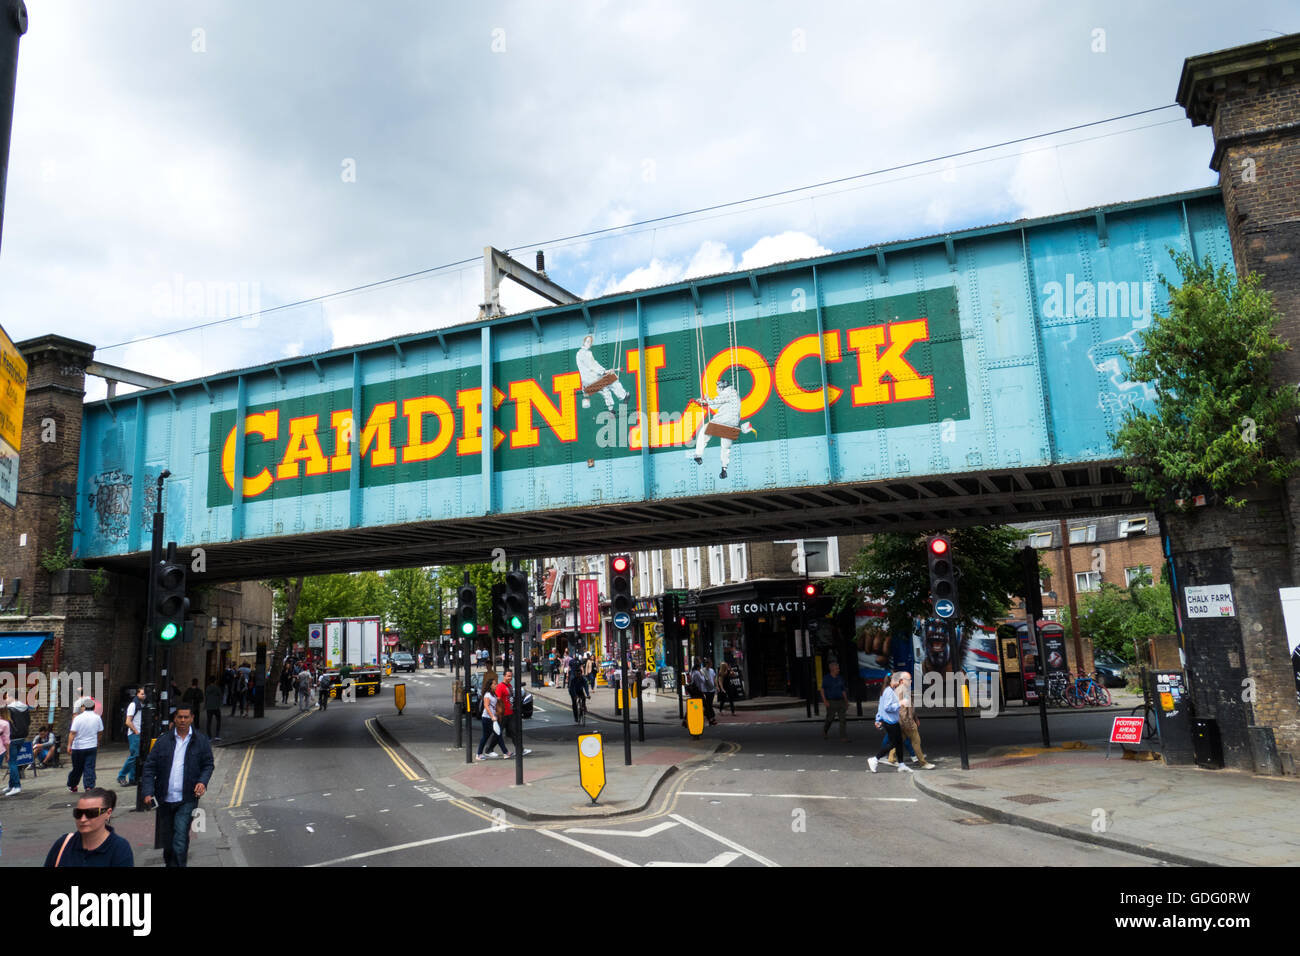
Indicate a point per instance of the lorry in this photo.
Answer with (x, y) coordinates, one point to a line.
(352, 654)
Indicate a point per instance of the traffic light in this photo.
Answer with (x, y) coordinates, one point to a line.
(516, 602)
(809, 590)
(467, 608)
(620, 584)
(499, 611)
(668, 614)
(1033, 583)
(170, 605)
(943, 576)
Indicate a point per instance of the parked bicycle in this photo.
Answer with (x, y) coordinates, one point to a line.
(1089, 690)
(1060, 692)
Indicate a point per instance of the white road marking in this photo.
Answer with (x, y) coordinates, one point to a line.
(590, 849)
(711, 793)
(407, 846)
(658, 828)
(722, 859)
(385, 811)
(324, 794)
(310, 830)
(793, 796)
(723, 840)
(289, 800)
(350, 816)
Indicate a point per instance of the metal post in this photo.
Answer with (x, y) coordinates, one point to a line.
(458, 697)
(627, 711)
(1074, 604)
(640, 713)
(469, 726)
(961, 711)
(14, 25)
(519, 711)
(1042, 694)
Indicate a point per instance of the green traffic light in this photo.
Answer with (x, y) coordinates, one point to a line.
(168, 631)
(467, 627)
(516, 623)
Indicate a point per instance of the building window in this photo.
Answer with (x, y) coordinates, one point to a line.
(717, 573)
(739, 566)
(693, 569)
(1050, 613)
(1133, 574)
(1040, 539)
(643, 574)
(679, 569)
(1081, 534)
(657, 572)
(1087, 581)
(814, 556)
(1132, 526)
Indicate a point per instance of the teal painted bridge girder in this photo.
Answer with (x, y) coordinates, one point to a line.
(957, 359)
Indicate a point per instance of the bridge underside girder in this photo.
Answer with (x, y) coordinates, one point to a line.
(914, 505)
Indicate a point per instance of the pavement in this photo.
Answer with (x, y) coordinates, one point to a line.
(33, 819)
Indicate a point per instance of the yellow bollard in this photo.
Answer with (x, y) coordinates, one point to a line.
(591, 765)
(695, 717)
(399, 697)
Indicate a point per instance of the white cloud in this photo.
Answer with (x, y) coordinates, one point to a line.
(781, 248)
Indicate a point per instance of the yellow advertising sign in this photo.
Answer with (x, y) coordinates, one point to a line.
(399, 696)
(591, 765)
(695, 716)
(13, 392)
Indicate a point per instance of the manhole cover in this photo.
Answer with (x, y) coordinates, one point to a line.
(972, 821)
(1031, 798)
(968, 786)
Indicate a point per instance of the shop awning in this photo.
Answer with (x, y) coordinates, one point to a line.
(19, 647)
(547, 635)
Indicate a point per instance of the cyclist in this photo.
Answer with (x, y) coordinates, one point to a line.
(577, 688)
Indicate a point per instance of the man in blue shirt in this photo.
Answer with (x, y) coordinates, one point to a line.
(887, 717)
(835, 702)
(94, 843)
(180, 766)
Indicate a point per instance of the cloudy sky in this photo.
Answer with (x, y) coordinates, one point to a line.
(177, 163)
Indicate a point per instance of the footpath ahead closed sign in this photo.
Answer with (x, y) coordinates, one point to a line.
(1212, 600)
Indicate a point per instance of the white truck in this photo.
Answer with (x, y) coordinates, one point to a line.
(352, 652)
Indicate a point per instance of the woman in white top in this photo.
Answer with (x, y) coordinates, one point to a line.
(491, 736)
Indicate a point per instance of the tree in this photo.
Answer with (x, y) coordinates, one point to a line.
(333, 595)
(893, 569)
(412, 605)
(1217, 419)
(287, 597)
(1115, 619)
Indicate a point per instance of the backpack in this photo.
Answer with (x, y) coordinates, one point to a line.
(20, 721)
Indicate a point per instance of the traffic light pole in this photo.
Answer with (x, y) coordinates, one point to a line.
(627, 710)
(519, 710)
(469, 726)
(149, 656)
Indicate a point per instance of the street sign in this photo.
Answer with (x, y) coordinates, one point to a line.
(591, 765)
(944, 608)
(1127, 730)
(13, 392)
(622, 620)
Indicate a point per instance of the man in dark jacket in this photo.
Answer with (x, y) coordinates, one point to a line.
(179, 766)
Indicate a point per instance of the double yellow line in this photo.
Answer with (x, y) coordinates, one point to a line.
(402, 765)
(241, 779)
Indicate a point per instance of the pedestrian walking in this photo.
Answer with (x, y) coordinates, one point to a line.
(909, 723)
(835, 701)
(304, 689)
(193, 696)
(83, 745)
(493, 733)
(895, 681)
(93, 843)
(323, 690)
(176, 775)
(6, 736)
(887, 718)
(709, 679)
(134, 721)
(286, 684)
(509, 719)
(212, 704)
(20, 725)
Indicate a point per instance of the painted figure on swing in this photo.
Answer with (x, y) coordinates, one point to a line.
(724, 422)
(596, 378)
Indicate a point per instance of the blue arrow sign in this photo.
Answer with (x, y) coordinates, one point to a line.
(944, 608)
(622, 620)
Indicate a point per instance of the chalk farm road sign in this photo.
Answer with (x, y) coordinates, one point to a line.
(1212, 600)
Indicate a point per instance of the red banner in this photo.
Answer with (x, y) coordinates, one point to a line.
(588, 606)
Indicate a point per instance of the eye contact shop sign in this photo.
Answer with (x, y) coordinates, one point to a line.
(1211, 600)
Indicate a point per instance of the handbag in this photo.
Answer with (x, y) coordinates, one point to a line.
(66, 840)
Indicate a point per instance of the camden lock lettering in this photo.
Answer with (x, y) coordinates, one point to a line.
(890, 363)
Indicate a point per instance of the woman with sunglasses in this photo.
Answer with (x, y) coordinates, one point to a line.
(94, 843)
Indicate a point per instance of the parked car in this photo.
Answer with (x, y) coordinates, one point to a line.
(1110, 670)
(402, 661)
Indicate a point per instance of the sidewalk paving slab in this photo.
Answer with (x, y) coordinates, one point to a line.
(1181, 815)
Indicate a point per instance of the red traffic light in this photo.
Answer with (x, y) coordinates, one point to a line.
(620, 565)
(810, 590)
(939, 545)
(682, 622)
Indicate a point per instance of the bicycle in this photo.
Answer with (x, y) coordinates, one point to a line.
(1060, 693)
(1089, 690)
(582, 710)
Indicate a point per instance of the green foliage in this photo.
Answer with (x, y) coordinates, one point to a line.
(60, 556)
(99, 582)
(1115, 618)
(334, 595)
(1217, 415)
(413, 605)
(893, 569)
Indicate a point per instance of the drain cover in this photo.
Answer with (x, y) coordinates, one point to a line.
(1031, 798)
